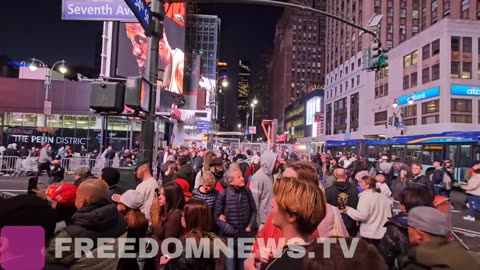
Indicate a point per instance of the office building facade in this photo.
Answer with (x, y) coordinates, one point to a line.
(298, 56)
(433, 49)
(244, 88)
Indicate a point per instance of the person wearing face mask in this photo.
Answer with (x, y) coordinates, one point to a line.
(218, 170)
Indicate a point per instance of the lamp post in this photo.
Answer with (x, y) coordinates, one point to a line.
(254, 103)
(48, 84)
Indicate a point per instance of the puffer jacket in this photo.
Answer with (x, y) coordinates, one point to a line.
(395, 242)
(238, 207)
(95, 220)
(262, 185)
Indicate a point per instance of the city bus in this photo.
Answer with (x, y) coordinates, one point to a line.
(462, 148)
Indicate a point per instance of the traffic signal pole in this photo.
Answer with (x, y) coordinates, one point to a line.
(278, 4)
(148, 125)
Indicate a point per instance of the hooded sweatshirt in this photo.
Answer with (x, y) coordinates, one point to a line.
(262, 185)
(342, 194)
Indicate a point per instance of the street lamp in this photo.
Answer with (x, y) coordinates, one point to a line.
(254, 102)
(239, 126)
(410, 101)
(395, 103)
(48, 83)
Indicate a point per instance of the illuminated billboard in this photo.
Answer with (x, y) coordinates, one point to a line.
(133, 48)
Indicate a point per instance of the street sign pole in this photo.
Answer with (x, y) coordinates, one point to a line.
(148, 128)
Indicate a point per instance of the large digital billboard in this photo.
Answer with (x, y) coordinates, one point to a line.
(133, 48)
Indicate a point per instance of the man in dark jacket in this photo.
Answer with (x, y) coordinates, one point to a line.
(111, 176)
(437, 178)
(185, 171)
(419, 180)
(342, 194)
(428, 233)
(96, 218)
(235, 213)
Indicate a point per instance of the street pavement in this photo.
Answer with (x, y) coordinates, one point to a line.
(467, 231)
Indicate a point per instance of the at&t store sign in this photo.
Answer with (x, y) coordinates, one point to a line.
(465, 90)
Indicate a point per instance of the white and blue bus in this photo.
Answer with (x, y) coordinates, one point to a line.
(462, 148)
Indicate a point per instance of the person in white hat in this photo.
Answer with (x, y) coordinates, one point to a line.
(128, 204)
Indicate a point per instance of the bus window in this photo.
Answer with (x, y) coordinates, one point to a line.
(476, 152)
(431, 153)
(465, 157)
(413, 152)
(372, 152)
(398, 153)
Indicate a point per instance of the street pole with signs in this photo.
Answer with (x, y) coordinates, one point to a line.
(151, 21)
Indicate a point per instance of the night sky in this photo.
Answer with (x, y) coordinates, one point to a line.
(33, 28)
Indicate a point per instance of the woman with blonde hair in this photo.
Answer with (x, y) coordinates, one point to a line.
(207, 159)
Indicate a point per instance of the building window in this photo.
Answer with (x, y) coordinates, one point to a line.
(390, 12)
(425, 75)
(414, 57)
(466, 70)
(389, 28)
(430, 120)
(407, 60)
(406, 82)
(455, 69)
(478, 72)
(465, 9)
(410, 111)
(436, 47)
(461, 105)
(426, 52)
(385, 89)
(436, 72)
(381, 118)
(403, 12)
(455, 44)
(431, 107)
(409, 122)
(461, 118)
(415, 14)
(358, 80)
(413, 79)
(466, 44)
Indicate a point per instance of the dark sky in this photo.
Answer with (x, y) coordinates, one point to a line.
(33, 28)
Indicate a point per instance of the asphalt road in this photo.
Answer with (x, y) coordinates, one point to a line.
(467, 231)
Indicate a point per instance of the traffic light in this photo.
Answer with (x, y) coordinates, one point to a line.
(378, 56)
(390, 121)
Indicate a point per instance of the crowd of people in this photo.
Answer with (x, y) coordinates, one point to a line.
(288, 207)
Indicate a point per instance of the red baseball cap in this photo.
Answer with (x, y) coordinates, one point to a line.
(65, 193)
(185, 186)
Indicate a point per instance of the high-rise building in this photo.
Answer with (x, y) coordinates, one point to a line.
(298, 58)
(434, 49)
(202, 38)
(203, 32)
(244, 87)
(260, 92)
(222, 72)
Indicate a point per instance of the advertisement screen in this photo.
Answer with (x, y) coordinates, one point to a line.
(133, 48)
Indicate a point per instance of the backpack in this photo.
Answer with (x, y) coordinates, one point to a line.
(447, 181)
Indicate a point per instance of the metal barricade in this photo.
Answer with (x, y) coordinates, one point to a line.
(15, 166)
(10, 165)
(443, 205)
